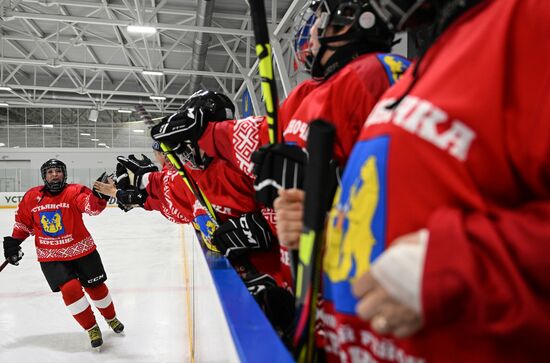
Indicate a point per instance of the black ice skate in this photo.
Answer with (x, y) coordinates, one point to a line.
(95, 336)
(116, 325)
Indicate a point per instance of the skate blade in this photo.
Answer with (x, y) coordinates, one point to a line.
(97, 349)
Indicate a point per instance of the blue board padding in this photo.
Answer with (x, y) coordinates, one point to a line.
(253, 336)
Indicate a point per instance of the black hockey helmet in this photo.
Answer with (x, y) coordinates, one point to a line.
(206, 106)
(210, 105)
(401, 15)
(56, 186)
(367, 33)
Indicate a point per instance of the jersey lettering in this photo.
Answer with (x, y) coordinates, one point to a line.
(427, 121)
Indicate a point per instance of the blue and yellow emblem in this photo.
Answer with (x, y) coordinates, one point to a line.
(52, 224)
(357, 222)
(206, 226)
(394, 66)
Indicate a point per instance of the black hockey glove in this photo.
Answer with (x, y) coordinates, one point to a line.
(136, 168)
(181, 128)
(131, 198)
(278, 306)
(259, 282)
(102, 178)
(245, 233)
(12, 250)
(127, 195)
(277, 166)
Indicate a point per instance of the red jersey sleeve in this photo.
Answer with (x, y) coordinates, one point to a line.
(23, 226)
(497, 273)
(87, 202)
(235, 141)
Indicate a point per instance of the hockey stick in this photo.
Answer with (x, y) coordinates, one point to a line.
(319, 147)
(263, 51)
(4, 264)
(269, 87)
(178, 165)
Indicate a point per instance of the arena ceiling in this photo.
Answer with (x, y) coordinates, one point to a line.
(82, 53)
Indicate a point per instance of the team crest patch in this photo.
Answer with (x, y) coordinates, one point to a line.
(206, 226)
(51, 222)
(357, 221)
(394, 66)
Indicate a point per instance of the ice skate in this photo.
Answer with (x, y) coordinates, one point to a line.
(116, 325)
(96, 339)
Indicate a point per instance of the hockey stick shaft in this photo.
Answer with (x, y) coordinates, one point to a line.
(320, 141)
(269, 87)
(3, 265)
(178, 165)
(193, 187)
(267, 74)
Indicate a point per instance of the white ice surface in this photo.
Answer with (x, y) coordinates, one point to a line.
(158, 283)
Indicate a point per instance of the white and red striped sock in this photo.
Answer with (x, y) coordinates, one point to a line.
(102, 300)
(78, 305)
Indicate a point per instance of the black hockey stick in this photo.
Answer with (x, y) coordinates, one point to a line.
(4, 264)
(319, 147)
(263, 51)
(269, 86)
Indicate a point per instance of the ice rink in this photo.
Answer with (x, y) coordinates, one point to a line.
(159, 284)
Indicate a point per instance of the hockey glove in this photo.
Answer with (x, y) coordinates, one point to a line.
(136, 169)
(127, 195)
(277, 166)
(278, 306)
(102, 178)
(179, 129)
(259, 282)
(131, 198)
(245, 233)
(12, 250)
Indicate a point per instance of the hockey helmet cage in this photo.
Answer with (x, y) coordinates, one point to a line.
(57, 186)
(366, 32)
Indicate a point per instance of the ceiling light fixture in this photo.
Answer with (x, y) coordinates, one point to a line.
(47, 126)
(157, 98)
(94, 139)
(124, 111)
(5, 88)
(139, 131)
(141, 29)
(84, 134)
(2, 104)
(101, 144)
(152, 73)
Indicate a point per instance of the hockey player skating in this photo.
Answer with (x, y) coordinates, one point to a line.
(65, 249)
(436, 246)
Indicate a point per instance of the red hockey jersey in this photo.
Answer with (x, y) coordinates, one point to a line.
(465, 154)
(345, 99)
(56, 221)
(231, 194)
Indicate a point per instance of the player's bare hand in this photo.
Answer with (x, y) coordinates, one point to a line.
(108, 188)
(289, 207)
(385, 314)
